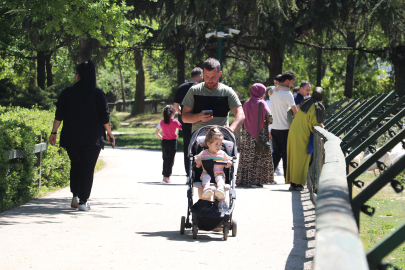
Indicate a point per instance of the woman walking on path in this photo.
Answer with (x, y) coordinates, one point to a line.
(83, 108)
(310, 114)
(169, 127)
(255, 169)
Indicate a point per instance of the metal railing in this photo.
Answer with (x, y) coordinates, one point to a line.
(37, 149)
(362, 131)
(338, 245)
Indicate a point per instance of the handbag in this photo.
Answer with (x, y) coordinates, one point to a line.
(261, 147)
(311, 144)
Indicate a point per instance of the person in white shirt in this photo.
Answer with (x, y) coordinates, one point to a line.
(280, 101)
(270, 91)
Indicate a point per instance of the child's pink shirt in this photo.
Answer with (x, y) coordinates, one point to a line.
(169, 130)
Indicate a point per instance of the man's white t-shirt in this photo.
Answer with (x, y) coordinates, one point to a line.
(280, 102)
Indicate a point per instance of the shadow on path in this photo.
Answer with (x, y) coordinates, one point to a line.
(186, 237)
(47, 210)
(161, 184)
(304, 235)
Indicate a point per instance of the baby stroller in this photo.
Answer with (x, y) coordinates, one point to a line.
(205, 214)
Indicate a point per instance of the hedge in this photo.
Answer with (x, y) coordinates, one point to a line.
(19, 128)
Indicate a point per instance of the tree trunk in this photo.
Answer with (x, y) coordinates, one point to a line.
(351, 42)
(84, 49)
(122, 86)
(139, 105)
(398, 60)
(276, 61)
(49, 75)
(181, 57)
(41, 75)
(33, 79)
(318, 67)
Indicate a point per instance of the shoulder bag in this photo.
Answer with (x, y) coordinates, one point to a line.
(261, 147)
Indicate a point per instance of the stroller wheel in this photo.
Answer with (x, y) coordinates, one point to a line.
(182, 224)
(226, 232)
(195, 231)
(234, 227)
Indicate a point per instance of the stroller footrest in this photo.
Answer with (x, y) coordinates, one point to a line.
(212, 185)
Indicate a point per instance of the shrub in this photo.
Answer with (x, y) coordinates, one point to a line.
(115, 121)
(19, 128)
(16, 95)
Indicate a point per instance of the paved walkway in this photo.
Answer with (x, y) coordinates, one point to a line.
(135, 219)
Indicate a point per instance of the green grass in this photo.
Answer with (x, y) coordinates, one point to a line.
(137, 130)
(143, 141)
(389, 215)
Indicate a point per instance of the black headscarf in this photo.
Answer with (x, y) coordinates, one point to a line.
(316, 98)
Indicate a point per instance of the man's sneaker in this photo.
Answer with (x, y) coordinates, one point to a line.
(166, 180)
(75, 202)
(207, 193)
(219, 193)
(84, 206)
(292, 186)
(299, 188)
(278, 172)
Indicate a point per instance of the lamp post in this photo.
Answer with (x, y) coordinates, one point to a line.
(220, 35)
(220, 48)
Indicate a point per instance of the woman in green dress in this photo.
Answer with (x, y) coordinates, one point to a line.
(310, 114)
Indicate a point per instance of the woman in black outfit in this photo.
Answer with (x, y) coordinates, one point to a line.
(83, 108)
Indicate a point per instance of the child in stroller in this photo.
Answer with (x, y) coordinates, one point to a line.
(208, 215)
(213, 140)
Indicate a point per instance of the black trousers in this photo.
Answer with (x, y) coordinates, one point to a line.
(279, 138)
(83, 159)
(169, 148)
(186, 141)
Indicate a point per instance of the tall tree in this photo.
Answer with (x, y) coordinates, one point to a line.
(391, 16)
(139, 106)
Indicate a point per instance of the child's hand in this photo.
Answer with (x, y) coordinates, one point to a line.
(229, 163)
(198, 162)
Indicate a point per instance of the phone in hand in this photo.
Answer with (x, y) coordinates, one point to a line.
(209, 112)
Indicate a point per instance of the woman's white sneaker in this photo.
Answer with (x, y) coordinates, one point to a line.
(84, 207)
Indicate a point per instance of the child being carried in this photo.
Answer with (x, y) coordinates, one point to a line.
(213, 140)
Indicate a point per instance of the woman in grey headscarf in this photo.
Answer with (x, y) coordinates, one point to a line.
(310, 114)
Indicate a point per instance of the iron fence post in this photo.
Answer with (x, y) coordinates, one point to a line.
(364, 114)
(334, 119)
(377, 155)
(352, 115)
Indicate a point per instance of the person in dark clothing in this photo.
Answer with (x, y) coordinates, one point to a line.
(83, 108)
(302, 93)
(196, 77)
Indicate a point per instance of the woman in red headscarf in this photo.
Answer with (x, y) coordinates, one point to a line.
(255, 169)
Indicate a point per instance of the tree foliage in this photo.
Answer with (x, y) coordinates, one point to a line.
(341, 45)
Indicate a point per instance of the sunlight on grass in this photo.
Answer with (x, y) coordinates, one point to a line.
(143, 141)
(137, 130)
(389, 215)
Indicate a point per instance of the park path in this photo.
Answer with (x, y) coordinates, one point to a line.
(134, 224)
